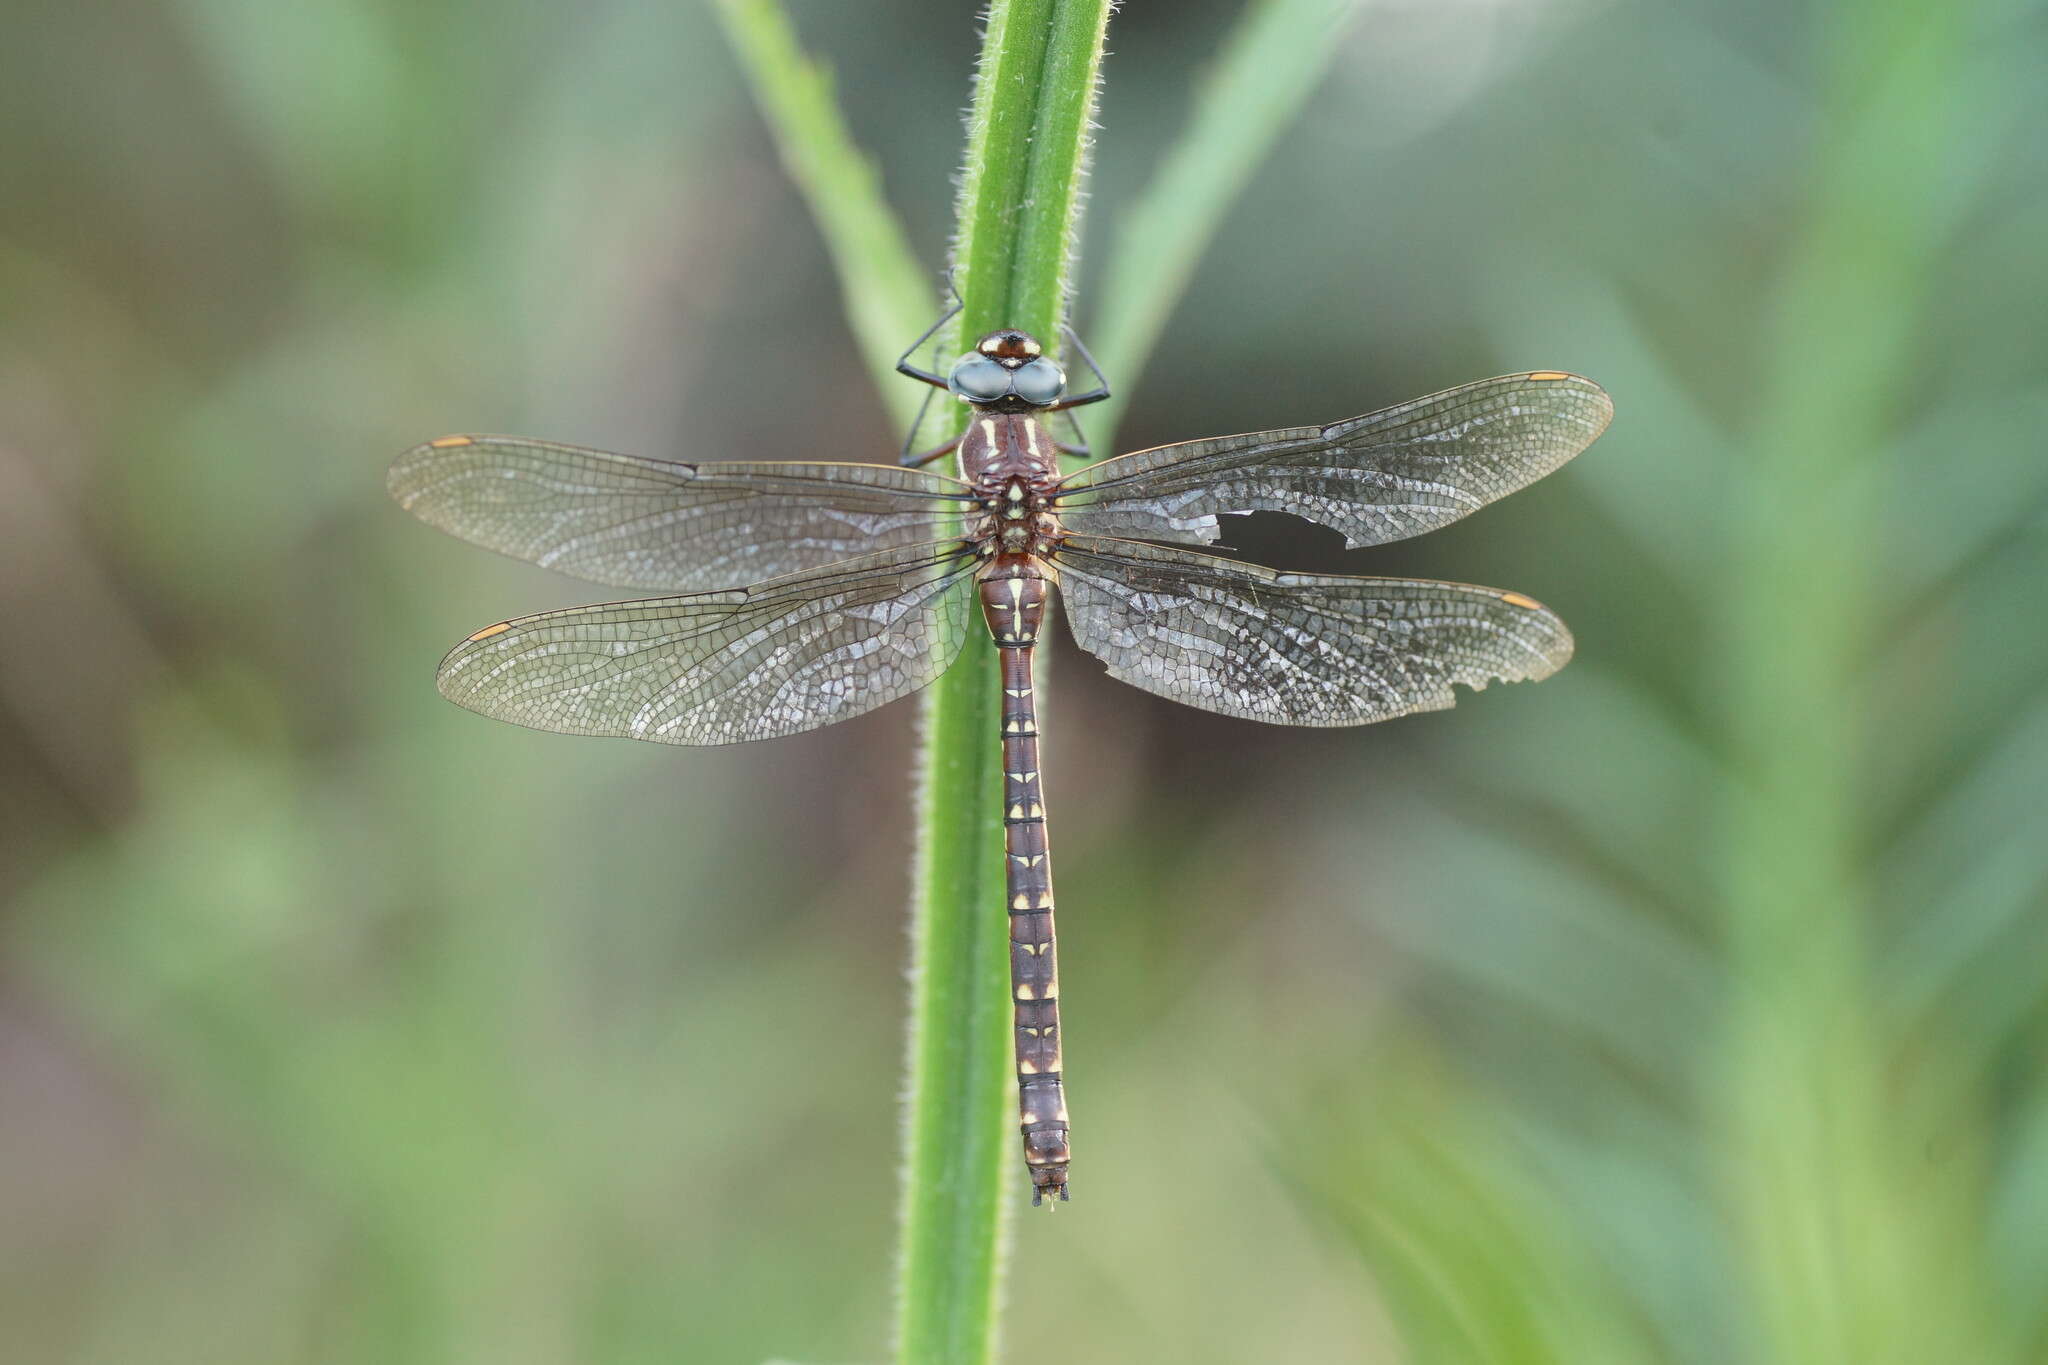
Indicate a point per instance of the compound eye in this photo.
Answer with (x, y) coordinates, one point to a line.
(978, 379)
(1038, 382)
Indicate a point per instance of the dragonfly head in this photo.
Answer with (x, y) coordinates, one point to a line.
(1007, 369)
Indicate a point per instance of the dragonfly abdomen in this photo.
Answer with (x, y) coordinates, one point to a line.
(1013, 597)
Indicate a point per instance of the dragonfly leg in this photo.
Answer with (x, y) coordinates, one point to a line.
(1079, 445)
(903, 456)
(903, 365)
(1094, 395)
(914, 461)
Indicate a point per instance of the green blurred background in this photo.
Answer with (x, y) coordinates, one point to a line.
(1689, 1007)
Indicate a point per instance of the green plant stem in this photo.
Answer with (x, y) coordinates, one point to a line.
(1019, 201)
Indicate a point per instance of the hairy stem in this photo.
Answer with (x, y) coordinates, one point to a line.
(1019, 202)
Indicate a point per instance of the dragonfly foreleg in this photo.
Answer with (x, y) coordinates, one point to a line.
(903, 365)
(1094, 395)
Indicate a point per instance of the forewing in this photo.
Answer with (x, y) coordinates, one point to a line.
(635, 523)
(1386, 476)
(1296, 649)
(776, 658)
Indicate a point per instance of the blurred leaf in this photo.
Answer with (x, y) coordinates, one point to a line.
(1817, 1147)
(886, 293)
(1479, 1269)
(1607, 784)
(330, 128)
(2018, 1221)
(1662, 470)
(1942, 523)
(1552, 943)
(1967, 887)
(1270, 65)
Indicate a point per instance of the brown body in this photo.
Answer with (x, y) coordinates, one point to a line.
(858, 561)
(1011, 463)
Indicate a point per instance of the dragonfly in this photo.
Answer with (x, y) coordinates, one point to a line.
(801, 593)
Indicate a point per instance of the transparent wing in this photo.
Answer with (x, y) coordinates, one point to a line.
(1386, 476)
(777, 658)
(1296, 649)
(635, 523)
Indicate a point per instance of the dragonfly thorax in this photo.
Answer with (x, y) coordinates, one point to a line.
(1016, 515)
(1032, 537)
(1001, 450)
